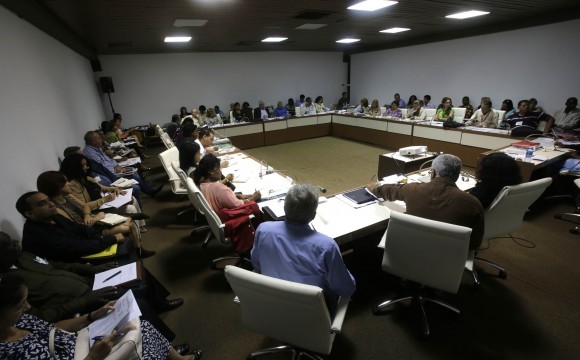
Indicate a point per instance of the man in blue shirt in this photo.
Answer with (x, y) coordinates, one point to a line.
(291, 250)
(525, 117)
(94, 151)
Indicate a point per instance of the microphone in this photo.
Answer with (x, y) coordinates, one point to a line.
(262, 162)
(321, 189)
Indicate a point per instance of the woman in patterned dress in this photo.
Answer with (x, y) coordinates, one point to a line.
(24, 336)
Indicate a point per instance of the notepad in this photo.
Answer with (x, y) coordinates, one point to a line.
(128, 273)
(108, 252)
(113, 219)
(359, 196)
(525, 144)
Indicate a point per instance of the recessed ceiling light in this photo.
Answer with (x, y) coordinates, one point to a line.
(394, 30)
(347, 41)
(177, 39)
(189, 23)
(274, 39)
(372, 5)
(467, 14)
(310, 26)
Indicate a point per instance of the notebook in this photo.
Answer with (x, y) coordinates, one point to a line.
(359, 196)
(108, 252)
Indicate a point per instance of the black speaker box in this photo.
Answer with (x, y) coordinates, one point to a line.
(107, 84)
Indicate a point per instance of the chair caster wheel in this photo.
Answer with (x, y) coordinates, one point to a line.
(502, 275)
(575, 230)
(558, 216)
(377, 311)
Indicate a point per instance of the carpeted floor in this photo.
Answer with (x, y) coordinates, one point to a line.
(530, 315)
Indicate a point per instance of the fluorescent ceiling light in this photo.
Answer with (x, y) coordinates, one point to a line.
(189, 23)
(467, 14)
(310, 26)
(347, 41)
(274, 39)
(394, 30)
(177, 39)
(372, 5)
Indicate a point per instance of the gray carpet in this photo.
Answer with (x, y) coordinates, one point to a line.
(530, 315)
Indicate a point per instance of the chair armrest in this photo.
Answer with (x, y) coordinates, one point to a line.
(336, 325)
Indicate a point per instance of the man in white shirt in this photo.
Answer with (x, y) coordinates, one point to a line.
(485, 116)
(568, 118)
(307, 108)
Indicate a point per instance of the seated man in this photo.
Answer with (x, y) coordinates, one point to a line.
(307, 107)
(484, 117)
(56, 238)
(58, 291)
(260, 113)
(526, 118)
(291, 250)
(439, 199)
(94, 151)
(567, 119)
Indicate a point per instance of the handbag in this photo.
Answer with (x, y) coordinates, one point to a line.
(240, 226)
(129, 347)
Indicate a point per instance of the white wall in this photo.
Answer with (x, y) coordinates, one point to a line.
(540, 62)
(152, 87)
(48, 100)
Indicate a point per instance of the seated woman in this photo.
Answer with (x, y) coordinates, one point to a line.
(319, 105)
(237, 113)
(375, 109)
(363, 108)
(291, 107)
(24, 336)
(280, 110)
(394, 111)
(417, 112)
(412, 99)
(247, 112)
(189, 156)
(207, 176)
(445, 112)
(212, 119)
(84, 187)
(183, 112)
(465, 103)
(508, 106)
(55, 185)
(495, 171)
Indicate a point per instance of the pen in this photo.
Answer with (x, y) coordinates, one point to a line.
(101, 337)
(112, 276)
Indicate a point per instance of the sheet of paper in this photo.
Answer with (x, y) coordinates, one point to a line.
(120, 200)
(130, 162)
(127, 273)
(126, 309)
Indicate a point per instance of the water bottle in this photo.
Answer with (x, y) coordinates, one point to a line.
(529, 154)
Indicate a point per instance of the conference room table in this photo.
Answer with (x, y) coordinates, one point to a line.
(336, 216)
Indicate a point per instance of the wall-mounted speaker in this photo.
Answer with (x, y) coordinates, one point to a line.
(106, 84)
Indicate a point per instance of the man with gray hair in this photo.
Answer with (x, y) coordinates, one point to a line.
(291, 250)
(440, 199)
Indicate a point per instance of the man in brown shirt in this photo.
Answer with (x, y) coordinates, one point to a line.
(439, 199)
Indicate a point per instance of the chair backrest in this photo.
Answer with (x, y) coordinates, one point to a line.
(297, 109)
(287, 311)
(429, 252)
(167, 157)
(404, 112)
(232, 120)
(500, 115)
(383, 110)
(506, 212)
(159, 130)
(202, 206)
(542, 125)
(429, 113)
(167, 140)
(459, 114)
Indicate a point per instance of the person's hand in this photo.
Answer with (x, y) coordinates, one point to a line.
(101, 297)
(118, 169)
(118, 191)
(224, 164)
(120, 238)
(98, 216)
(372, 186)
(256, 196)
(112, 196)
(101, 348)
(230, 177)
(103, 310)
(88, 220)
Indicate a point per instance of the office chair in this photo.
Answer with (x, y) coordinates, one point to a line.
(167, 140)
(505, 215)
(290, 312)
(428, 253)
(217, 229)
(573, 217)
(183, 180)
(167, 157)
